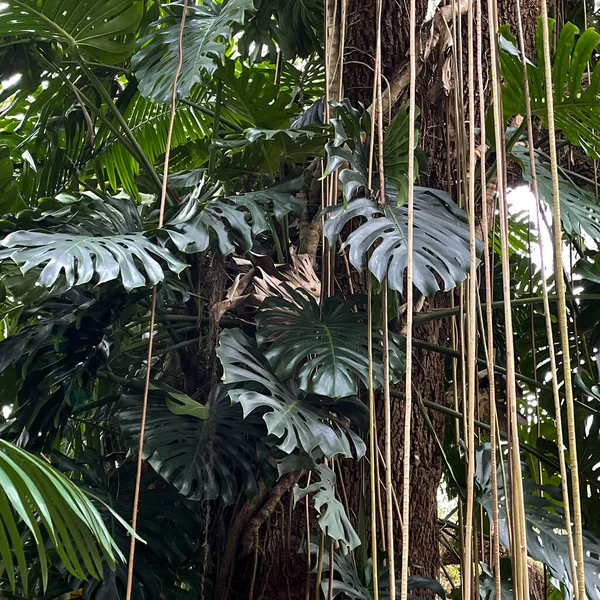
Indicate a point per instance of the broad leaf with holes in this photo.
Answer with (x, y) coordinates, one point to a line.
(576, 107)
(234, 220)
(579, 208)
(202, 457)
(441, 240)
(293, 419)
(324, 348)
(36, 497)
(132, 258)
(98, 30)
(332, 517)
(206, 30)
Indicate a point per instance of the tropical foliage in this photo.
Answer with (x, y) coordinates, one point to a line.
(262, 296)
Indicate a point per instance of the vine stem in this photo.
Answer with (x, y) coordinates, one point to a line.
(471, 318)
(487, 331)
(519, 538)
(409, 306)
(161, 218)
(547, 313)
(562, 313)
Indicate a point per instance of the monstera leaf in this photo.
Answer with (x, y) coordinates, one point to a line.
(206, 30)
(83, 257)
(97, 30)
(38, 498)
(295, 420)
(579, 208)
(324, 348)
(576, 108)
(332, 519)
(235, 220)
(278, 25)
(545, 524)
(201, 457)
(441, 240)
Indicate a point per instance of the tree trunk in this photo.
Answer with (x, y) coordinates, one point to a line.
(275, 570)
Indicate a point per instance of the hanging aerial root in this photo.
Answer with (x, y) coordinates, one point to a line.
(163, 199)
(562, 313)
(516, 498)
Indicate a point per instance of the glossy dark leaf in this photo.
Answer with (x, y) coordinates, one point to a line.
(332, 517)
(324, 348)
(441, 240)
(207, 29)
(234, 220)
(293, 419)
(202, 457)
(545, 523)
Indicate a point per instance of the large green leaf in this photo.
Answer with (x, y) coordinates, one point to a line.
(295, 420)
(98, 30)
(35, 496)
(441, 240)
(202, 457)
(580, 211)
(332, 517)
(252, 98)
(293, 28)
(234, 220)
(207, 29)
(325, 348)
(83, 257)
(576, 107)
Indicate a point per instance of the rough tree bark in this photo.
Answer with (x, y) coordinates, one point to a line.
(274, 570)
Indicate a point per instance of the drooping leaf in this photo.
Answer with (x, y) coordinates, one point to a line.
(35, 495)
(206, 31)
(202, 457)
(332, 517)
(80, 258)
(441, 240)
(149, 122)
(325, 348)
(350, 148)
(97, 30)
(295, 420)
(576, 107)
